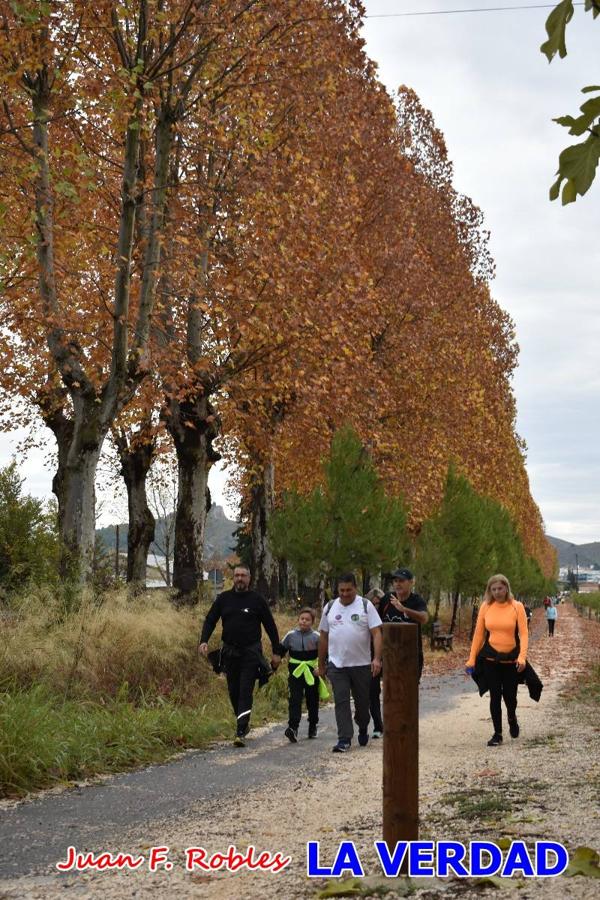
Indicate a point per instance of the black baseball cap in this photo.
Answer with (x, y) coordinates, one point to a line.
(403, 574)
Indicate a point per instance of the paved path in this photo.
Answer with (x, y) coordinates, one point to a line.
(34, 834)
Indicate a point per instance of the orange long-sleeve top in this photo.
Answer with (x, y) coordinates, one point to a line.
(501, 619)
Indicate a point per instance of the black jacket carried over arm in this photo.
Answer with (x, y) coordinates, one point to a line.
(528, 676)
(242, 614)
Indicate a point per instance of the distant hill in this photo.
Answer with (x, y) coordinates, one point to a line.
(588, 555)
(220, 539)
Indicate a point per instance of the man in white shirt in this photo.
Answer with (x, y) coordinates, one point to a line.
(347, 626)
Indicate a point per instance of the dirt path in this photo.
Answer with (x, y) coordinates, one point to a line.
(544, 785)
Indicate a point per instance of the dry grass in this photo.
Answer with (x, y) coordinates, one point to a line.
(143, 648)
(146, 644)
(108, 686)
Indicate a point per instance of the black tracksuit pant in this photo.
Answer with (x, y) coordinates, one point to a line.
(502, 679)
(242, 672)
(297, 689)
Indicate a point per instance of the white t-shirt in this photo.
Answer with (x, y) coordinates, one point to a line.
(349, 629)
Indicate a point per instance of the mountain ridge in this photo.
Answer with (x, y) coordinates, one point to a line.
(220, 540)
(588, 555)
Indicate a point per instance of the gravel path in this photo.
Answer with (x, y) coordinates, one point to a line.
(545, 785)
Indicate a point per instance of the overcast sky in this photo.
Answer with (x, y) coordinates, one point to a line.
(494, 95)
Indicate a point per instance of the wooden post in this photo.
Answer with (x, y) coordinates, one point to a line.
(401, 734)
(117, 552)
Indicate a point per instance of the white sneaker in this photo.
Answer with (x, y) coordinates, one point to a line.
(377, 734)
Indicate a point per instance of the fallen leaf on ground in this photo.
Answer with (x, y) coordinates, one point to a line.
(584, 861)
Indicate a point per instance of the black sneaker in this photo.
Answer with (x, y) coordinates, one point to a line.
(363, 738)
(239, 741)
(341, 747)
(312, 731)
(513, 727)
(291, 734)
(495, 740)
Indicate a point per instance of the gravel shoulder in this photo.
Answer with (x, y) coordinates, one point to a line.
(546, 784)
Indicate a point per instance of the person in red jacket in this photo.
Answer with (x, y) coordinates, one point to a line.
(500, 640)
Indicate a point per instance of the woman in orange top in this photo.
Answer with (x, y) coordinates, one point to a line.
(503, 651)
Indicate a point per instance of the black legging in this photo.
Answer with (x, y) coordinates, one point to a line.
(551, 627)
(502, 679)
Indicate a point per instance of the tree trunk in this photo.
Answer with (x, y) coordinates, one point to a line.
(474, 613)
(454, 610)
(292, 583)
(192, 425)
(322, 593)
(62, 428)
(375, 581)
(283, 577)
(366, 578)
(438, 600)
(436, 612)
(264, 567)
(136, 459)
(168, 558)
(79, 440)
(78, 528)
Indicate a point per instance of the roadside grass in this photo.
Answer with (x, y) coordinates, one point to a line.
(587, 605)
(543, 740)
(589, 692)
(107, 687)
(502, 802)
(476, 804)
(45, 740)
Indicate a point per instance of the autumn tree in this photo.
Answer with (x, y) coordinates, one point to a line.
(224, 194)
(321, 345)
(98, 103)
(435, 355)
(264, 245)
(94, 96)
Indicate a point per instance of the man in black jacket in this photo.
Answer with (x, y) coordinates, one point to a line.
(242, 612)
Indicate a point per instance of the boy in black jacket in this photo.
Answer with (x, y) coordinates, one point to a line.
(303, 646)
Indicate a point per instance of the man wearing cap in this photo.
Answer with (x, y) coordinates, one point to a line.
(402, 604)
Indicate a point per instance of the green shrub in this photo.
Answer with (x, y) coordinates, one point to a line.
(29, 546)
